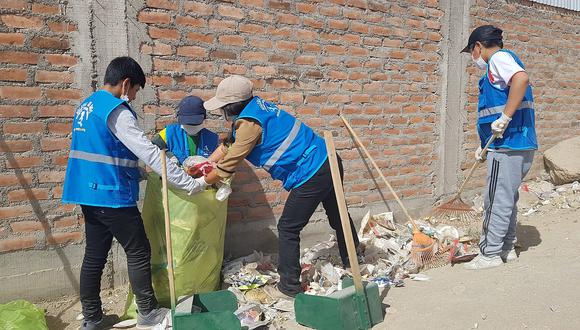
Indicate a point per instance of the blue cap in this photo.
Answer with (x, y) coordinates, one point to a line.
(191, 111)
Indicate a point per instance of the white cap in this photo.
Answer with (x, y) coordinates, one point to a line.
(230, 90)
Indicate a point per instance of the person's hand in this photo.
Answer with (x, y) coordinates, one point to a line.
(479, 156)
(143, 173)
(499, 125)
(199, 186)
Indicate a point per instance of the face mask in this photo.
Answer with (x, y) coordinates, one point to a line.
(479, 62)
(192, 129)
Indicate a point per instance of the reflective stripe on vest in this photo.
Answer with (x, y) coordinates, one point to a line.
(91, 157)
(284, 146)
(499, 109)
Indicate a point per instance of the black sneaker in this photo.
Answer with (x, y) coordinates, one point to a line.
(154, 318)
(91, 325)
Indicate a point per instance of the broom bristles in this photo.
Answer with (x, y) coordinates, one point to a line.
(456, 208)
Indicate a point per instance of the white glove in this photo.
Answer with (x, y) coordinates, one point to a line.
(198, 186)
(499, 125)
(479, 156)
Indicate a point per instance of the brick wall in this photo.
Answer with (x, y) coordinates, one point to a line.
(374, 62)
(37, 102)
(547, 40)
(378, 62)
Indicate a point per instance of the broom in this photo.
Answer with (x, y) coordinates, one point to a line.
(456, 207)
(424, 248)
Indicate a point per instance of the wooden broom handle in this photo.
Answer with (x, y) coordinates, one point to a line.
(355, 136)
(168, 244)
(474, 166)
(344, 218)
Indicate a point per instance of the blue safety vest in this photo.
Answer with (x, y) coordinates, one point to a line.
(101, 171)
(520, 133)
(290, 151)
(176, 139)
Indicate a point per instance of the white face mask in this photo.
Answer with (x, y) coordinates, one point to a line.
(479, 62)
(192, 129)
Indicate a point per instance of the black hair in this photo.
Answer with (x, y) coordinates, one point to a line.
(490, 43)
(122, 68)
(490, 36)
(234, 109)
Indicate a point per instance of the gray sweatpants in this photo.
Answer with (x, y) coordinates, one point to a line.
(505, 172)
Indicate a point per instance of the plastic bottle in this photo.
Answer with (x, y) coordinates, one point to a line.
(223, 192)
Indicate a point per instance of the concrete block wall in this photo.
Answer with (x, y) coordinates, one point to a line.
(392, 67)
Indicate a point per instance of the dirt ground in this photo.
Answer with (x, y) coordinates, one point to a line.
(539, 291)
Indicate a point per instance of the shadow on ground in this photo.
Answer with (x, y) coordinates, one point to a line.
(528, 236)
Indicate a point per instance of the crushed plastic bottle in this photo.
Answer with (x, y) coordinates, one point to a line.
(225, 190)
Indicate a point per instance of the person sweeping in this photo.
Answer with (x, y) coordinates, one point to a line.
(505, 111)
(102, 176)
(291, 152)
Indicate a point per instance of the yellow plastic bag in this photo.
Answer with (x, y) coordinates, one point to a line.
(198, 226)
(21, 315)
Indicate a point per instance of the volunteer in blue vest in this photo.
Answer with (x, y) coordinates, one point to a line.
(505, 110)
(291, 152)
(188, 137)
(102, 176)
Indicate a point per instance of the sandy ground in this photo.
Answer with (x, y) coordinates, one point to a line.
(539, 291)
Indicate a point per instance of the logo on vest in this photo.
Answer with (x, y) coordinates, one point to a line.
(269, 107)
(82, 113)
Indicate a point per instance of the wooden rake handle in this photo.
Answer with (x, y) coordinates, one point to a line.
(168, 244)
(366, 152)
(474, 166)
(344, 218)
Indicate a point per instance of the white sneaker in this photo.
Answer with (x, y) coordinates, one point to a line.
(509, 255)
(483, 262)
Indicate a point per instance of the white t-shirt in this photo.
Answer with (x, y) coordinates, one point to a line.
(502, 67)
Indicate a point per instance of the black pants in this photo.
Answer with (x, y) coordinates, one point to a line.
(301, 204)
(125, 225)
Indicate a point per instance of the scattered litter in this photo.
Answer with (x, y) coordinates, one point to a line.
(419, 277)
(385, 258)
(252, 316)
(483, 316)
(478, 203)
(565, 196)
(575, 187)
(80, 317)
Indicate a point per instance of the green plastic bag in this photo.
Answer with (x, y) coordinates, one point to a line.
(21, 315)
(198, 224)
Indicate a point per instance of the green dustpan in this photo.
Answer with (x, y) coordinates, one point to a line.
(357, 305)
(212, 310)
(341, 310)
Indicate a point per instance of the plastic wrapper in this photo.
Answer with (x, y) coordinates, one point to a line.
(197, 166)
(21, 315)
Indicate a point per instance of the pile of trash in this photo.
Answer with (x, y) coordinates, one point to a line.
(541, 196)
(384, 257)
